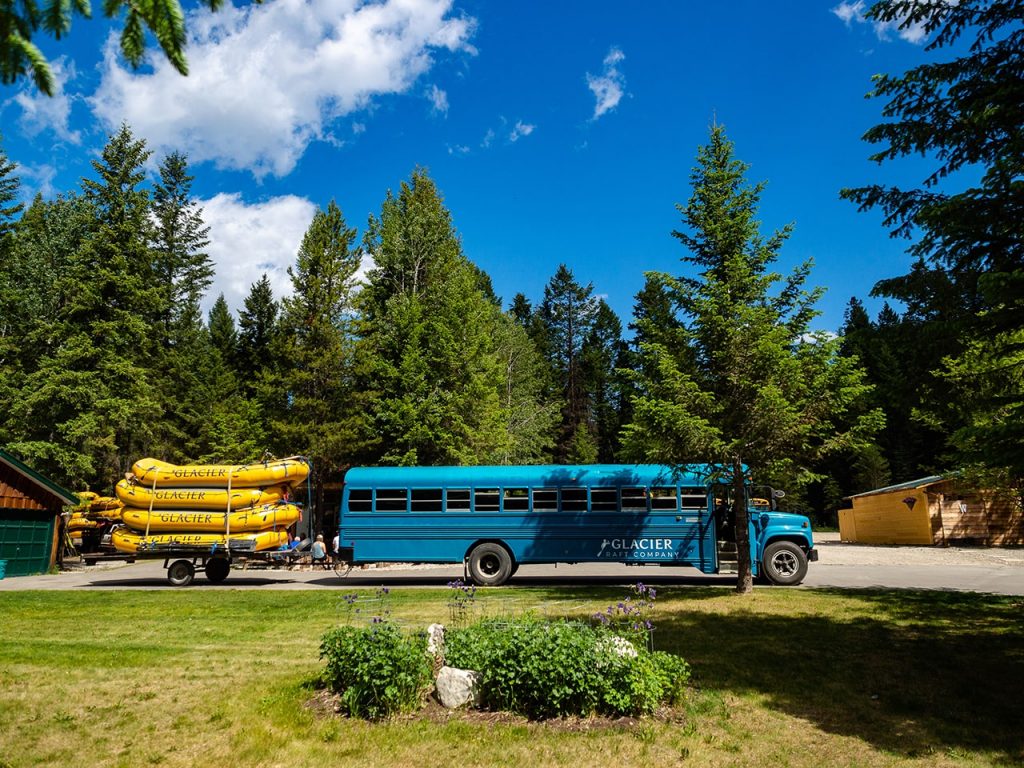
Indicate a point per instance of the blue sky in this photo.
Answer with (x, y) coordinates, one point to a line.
(557, 132)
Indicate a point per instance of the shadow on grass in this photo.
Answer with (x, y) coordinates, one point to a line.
(925, 672)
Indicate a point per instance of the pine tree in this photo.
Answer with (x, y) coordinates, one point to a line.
(320, 416)
(257, 328)
(93, 398)
(763, 389)
(427, 337)
(604, 355)
(964, 113)
(567, 315)
(223, 335)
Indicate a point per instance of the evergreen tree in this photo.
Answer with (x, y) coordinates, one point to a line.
(257, 328)
(92, 399)
(320, 417)
(763, 389)
(10, 207)
(567, 315)
(427, 337)
(223, 335)
(604, 355)
(183, 271)
(965, 113)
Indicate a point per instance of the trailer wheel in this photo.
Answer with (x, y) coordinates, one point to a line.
(217, 569)
(180, 573)
(784, 563)
(490, 564)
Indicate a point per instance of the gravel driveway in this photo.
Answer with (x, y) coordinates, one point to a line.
(833, 552)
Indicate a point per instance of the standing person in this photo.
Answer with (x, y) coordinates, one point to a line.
(335, 543)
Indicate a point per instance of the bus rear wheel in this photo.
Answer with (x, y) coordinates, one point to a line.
(490, 565)
(784, 563)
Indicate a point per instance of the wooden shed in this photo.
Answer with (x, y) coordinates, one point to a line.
(30, 509)
(933, 510)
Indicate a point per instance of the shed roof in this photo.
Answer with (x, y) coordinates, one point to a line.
(910, 485)
(62, 494)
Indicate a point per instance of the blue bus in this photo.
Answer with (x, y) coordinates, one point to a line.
(496, 518)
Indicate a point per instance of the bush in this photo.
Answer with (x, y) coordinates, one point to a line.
(552, 669)
(378, 671)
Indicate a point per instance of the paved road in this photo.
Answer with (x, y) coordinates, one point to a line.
(841, 566)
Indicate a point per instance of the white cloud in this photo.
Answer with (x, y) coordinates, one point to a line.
(438, 100)
(266, 80)
(519, 130)
(610, 86)
(458, 149)
(487, 139)
(41, 113)
(247, 240)
(851, 12)
(37, 179)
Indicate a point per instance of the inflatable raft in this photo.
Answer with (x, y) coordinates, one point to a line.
(143, 497)
(127, 540)
(200, 521)
(288, 471)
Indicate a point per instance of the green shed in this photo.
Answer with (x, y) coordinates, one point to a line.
(30, 509)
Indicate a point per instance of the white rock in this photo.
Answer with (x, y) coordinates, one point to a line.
(435, 639)
(457, 687)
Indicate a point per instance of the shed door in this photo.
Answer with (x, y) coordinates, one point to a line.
(25, 541)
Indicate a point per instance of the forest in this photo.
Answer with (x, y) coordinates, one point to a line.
(106, 354)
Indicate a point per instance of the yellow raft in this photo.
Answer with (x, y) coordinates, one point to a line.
(127, 540)
(140, 496)
(79, 523)
(197, 521)
(290, 471)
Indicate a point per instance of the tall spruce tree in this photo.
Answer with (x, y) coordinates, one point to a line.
(604, 355)
(223, 334)
(183, 271)
(93, 398)
(762, 389)
(319, 417)
(427, 337)
(257, 331)
(965, 114)
(567, 316)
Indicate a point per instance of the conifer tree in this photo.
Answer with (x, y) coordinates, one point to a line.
(320, 415)
(427, 337)
(761, 389)
(567, 316)
(92, 398)
(257, 328)
(223, 336)
(964, 114)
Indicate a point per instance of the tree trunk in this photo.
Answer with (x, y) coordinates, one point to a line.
(744, 571)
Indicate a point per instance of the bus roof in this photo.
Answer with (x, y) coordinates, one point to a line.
(542, 475)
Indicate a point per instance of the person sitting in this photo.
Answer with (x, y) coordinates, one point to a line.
(319, 552)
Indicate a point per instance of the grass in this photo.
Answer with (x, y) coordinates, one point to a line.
(787, 677)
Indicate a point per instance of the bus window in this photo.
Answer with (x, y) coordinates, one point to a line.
(392, 499)
(486, 500)
(604, 499)
(664, 499)
(694, 498)
(516, 500)
(545, 499)
(360, 500)
(426, 500)
(574, 499)
(458, 500)
(634, 498)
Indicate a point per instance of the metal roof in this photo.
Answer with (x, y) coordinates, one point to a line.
(910, 485)
(544, 475)
(46, 484)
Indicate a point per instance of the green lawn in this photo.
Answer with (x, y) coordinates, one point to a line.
(785, 677)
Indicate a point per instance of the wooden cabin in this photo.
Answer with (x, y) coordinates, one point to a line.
(933, 510)
(30, 509)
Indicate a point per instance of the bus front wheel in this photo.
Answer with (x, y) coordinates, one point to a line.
(490, 565)
(784, 563)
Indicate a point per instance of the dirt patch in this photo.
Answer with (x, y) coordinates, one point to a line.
(327, 705)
